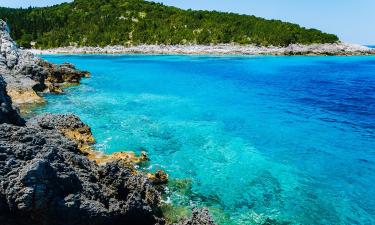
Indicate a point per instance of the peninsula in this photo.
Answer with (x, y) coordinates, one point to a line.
(138, 26)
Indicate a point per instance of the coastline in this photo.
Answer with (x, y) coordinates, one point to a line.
(338, 49)
(51, 172)
(105, 171)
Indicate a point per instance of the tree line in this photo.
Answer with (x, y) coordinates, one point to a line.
(133, 22)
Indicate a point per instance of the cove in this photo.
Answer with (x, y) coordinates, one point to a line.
(286, 138)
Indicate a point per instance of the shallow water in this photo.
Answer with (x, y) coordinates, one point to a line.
(287, 138)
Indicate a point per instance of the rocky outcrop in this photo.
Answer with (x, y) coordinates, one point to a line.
(69, 125)
(73, 128)
(8, 48)
(45, 180)
(65, 72)
(199, 217)
(26, 74)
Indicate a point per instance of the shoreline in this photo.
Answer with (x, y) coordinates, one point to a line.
(339, 49)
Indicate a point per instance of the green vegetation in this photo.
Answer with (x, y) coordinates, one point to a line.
(132, 22)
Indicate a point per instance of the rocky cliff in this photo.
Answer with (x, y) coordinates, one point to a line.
(45, 177)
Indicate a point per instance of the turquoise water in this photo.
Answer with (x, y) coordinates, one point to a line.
(287, 138)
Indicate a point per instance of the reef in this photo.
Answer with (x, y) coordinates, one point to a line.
(49, 171)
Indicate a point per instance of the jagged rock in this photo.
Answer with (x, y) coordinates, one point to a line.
(58, 121)
(65, 72)
(27, 74)
(73, 128)
(199, 217)
(70, 126)
(45, 180)
(8, 48)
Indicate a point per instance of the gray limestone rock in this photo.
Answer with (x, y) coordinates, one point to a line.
(8, 114)
(44, 179)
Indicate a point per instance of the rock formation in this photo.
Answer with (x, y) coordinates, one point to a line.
(26, 74)
(73, 128)
(69, 125)
(45, 180)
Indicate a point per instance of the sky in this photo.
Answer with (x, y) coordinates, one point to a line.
(352, 20)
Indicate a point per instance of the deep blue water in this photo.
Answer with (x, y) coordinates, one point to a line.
(289, 138)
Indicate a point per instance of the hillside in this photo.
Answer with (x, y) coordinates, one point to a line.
(133, 22)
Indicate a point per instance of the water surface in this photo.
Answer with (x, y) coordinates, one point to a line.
(287, 138)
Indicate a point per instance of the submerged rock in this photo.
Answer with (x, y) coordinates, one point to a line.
(199, 217)
(128, 157)
(160, 177)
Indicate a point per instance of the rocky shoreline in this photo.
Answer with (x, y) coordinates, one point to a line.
(339, 49)
(27, 75)
(49, 173)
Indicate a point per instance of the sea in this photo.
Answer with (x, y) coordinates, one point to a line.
(256, 139)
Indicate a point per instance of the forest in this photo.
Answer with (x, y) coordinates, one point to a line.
(134, 22)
